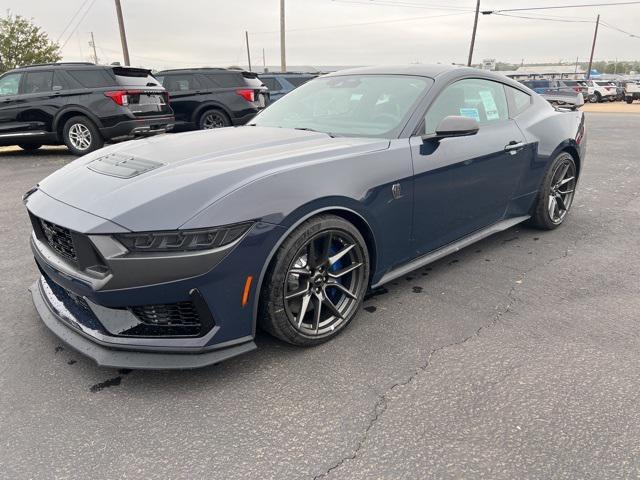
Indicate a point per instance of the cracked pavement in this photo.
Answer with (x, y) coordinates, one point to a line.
(514, 358)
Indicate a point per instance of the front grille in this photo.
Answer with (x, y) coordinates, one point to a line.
(59, 238)
(180, 319)
(172, 314)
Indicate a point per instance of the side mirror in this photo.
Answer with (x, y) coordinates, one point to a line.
(454, 126)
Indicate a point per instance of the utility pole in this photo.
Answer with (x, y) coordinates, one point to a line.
(123, 35)
(92, 44)
(593, 47)
(473, 35)
(283, 57)
(246, 37)
(264, 61)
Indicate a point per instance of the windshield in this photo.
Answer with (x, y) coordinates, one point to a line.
(350, 105)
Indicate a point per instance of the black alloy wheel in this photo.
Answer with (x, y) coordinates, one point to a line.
(557, 192)
(317, 282)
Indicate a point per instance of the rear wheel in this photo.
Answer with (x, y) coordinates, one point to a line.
(629, 100)
(29, 147)
(213, 119)
(81, 135)
(556, 194)
(316, 282)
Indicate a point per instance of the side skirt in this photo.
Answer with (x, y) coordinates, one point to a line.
(449, 249)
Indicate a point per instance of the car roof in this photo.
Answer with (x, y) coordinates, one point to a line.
(201, 69)
(418, 70)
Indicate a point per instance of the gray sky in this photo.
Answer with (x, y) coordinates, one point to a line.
(164, 33)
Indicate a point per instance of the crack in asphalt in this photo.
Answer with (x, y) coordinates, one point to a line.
(381, 404)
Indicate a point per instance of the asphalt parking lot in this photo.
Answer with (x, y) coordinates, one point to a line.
(515, 358)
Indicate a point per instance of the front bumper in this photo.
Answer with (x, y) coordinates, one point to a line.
(63, 324)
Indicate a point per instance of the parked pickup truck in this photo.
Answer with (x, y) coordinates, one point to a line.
(632, 91)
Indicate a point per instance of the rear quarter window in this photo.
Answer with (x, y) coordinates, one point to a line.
(521, 100)
(94, 78)
(271, 83)
(297, 81)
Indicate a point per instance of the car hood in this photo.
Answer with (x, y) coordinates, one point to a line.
(161, 182)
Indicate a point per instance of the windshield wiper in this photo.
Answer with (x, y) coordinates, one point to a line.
(313, 130)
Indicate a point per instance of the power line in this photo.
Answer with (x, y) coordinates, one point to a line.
(608, 25)
(374, 22)
(71, 21)
(489, 12)
(568, 20)
(549, 19)
(78, 24)
(401, 4)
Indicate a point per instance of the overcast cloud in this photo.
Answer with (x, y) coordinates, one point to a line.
(164, 33)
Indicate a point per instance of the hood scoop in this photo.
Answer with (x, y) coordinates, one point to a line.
(122, 165)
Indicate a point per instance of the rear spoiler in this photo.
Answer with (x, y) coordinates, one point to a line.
(131, 71)
(571, 101)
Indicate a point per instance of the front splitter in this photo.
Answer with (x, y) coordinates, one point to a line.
(137, 360)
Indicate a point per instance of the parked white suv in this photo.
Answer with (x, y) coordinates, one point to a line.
(600, 91)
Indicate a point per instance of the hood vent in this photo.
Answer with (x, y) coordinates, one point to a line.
(122, 166)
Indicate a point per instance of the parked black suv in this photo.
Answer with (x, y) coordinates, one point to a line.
(80, 105)
(214, 97)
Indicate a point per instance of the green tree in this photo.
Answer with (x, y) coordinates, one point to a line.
(23, 43)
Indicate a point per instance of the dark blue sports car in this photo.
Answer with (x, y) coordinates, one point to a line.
(169, 252)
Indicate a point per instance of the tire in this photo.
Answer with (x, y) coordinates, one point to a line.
(213, 118)
(281, 303)
(30, 147)
(81, 135)
(595, 98)
(629, 101)
(559, 186)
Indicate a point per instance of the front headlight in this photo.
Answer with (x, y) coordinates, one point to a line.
(183, 240)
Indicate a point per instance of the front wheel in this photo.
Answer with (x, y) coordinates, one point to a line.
(556, 193)
(595, 98)
(316, 282)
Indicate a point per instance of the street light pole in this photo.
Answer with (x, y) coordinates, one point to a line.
(473, 35)
(123, 35)
(283, 58)
(246, 37)
(593, 47)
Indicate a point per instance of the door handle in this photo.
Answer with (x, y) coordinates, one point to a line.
(513, 147)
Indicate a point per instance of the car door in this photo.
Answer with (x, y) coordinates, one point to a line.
(183, 90)
(40, 101)
(463, 184)
(10, 104)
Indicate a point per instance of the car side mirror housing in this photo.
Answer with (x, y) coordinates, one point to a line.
(454, 126)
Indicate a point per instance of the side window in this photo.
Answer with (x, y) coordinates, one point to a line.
(92, 78)
(37, 82)
(180, 83)
(521, 100)
(9, 84)
(60, 82)
(225, 80)
(482, 100)
(272, 84)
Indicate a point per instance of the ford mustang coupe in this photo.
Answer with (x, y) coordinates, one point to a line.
(169, 252)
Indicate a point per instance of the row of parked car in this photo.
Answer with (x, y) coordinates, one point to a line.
(594, 91)
(82, 105)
